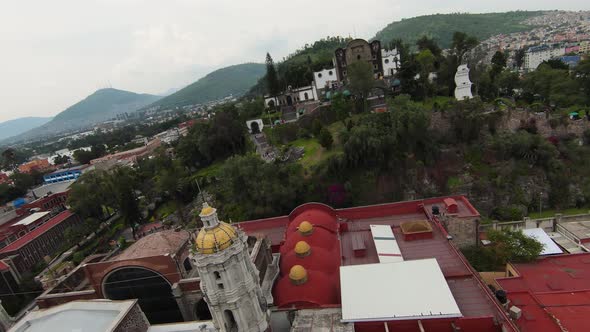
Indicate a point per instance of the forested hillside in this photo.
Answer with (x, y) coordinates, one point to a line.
(17, 126)
(233, 80)
(297, 69)
(441, 27)
(102, 105)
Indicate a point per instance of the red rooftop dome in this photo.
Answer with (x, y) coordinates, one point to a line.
(319, 259)
(317, 214)
(318, 290)
(319, 238)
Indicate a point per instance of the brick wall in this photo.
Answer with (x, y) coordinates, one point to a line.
(134, 321)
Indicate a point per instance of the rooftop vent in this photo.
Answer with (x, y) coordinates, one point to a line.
(416, 230)
(451, 205)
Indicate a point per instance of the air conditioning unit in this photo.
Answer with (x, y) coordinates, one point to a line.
(515, 312)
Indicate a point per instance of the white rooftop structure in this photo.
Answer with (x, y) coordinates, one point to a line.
(32, 218)
(549, 247)
(386, 245)
(406, 290)
(197, 326)
(76, 316)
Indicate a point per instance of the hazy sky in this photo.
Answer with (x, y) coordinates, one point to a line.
(54, 53)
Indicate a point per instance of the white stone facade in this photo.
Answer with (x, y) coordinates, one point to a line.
(308, 93)
(391, 60)
(463, 84)
(324, 78)
(231, 285)
(258, 122)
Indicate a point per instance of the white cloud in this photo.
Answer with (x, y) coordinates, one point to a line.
(54, 53)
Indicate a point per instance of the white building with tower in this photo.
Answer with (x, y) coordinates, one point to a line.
(462, 83)
(229, 279)
(391, 62)
(324, 78)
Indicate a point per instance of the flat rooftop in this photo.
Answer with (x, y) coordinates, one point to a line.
(87, 316)
(552, 292)
(31, 219)
(419, 288)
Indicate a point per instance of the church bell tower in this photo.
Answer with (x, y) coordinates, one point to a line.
(229, 278)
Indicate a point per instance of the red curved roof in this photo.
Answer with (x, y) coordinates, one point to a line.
(319, 290)
(320, 238)
(320, 259)
(316, 214)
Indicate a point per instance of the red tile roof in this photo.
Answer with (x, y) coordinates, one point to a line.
(156, 244)
(20, 242)
(550, 290)
(474, 299)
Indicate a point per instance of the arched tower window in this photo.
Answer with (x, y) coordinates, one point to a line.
(187, 264)
(306, 96)
(230, 321)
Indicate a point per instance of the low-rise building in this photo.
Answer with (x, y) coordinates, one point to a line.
(549, 294)
(40, 165)
(31, 248)
(66, 174)
(100, 316)
(130, 155)
(534, 56)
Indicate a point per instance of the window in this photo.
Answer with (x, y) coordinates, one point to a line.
(187, 264)
(217, 275)
(319, 75)
(330, 73)
(306, 96)
(386, 61)
(220, 285)
(358, 57)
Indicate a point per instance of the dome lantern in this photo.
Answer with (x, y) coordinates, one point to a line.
(209, 216)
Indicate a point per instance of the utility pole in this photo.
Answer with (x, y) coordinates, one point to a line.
(540, 205)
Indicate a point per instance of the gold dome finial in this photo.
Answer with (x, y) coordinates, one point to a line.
(298, 275)
(305, 228)
(302, 249)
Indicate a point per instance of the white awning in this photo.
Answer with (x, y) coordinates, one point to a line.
(549, 247)
(32, 218)
(407, 290)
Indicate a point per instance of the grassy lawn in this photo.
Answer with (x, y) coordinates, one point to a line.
(551, 213)
(314, 152)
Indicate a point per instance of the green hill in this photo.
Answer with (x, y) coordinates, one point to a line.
(442, 26)
(102, 105)
(18, 126)
(233, 80)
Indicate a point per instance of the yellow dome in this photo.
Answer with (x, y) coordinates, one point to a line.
(302, 249)
(298, 274)
(211, 240)
(305, 228)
